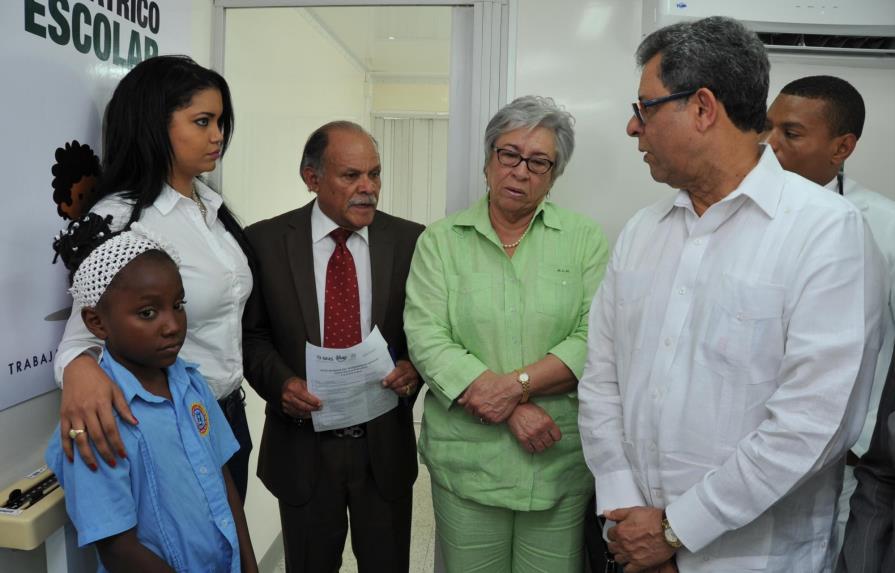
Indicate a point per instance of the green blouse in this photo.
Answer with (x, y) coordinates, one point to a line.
(471, 308)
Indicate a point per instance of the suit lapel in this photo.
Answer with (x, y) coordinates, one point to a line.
(300, 254)
(381, 259)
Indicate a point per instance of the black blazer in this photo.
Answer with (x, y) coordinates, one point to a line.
(281, 315)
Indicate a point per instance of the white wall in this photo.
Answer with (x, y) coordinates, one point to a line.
(286, 80)
(583, 56)
(422, 97)
(200, 31)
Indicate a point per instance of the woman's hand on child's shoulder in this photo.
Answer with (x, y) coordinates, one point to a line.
(88, 399)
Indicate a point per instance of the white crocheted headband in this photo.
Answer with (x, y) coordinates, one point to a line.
(95, 273)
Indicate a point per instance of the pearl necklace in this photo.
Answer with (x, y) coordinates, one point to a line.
(507, 245)
(516, 244)
(203, 210)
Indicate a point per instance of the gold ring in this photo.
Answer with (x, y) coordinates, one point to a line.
(73, 433)
(408, 389)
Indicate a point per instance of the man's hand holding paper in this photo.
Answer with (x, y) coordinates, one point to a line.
(403, 380)
(296, 400)
(349, 382)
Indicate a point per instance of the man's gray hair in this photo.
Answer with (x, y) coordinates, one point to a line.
(531, 112)
(719, 54)
(315, 147)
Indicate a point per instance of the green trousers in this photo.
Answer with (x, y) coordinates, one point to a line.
(475, 538)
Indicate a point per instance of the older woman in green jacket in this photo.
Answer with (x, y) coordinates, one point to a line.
(496, 323)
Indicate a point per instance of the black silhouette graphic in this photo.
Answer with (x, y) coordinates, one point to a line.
(75, 173)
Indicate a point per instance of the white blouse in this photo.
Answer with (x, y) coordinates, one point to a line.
(216, 279)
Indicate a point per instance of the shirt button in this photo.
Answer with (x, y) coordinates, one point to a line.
(683, 290)
(564, 283)
(203, 470)
(668, 341)
(739, 316)
(225, 522)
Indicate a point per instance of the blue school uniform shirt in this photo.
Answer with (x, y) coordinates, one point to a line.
(170, 486)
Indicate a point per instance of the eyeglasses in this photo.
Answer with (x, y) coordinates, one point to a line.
(510, 158)
(640, 107)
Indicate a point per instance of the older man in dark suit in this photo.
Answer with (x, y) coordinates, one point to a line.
(335, 255)
(870, 533)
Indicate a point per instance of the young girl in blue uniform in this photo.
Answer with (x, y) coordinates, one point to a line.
(170, 505)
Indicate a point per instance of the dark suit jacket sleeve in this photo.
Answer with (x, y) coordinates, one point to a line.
(869, 533)
(390, 260)
(264, 368)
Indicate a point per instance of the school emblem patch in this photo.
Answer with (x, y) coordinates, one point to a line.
(200, 417)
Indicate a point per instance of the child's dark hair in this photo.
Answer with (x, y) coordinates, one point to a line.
(83, 236)
(137, 152)
(79, 239)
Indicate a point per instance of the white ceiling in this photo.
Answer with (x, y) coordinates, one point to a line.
(394, 43)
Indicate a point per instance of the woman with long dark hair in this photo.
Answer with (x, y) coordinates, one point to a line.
(169, 121)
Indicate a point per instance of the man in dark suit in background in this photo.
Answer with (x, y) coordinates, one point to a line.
(870, 533)
(335, 255)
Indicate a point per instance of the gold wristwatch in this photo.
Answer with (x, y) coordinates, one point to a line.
(524, 380)
(670, 536)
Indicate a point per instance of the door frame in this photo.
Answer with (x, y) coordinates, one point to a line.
(482, 79)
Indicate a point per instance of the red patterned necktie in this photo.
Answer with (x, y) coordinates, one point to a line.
(341, 313)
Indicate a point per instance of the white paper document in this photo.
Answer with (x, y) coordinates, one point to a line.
(349, 382)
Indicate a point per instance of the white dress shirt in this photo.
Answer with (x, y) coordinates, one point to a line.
(216, 279)
(879, 213)
(359, 245)
(730, 362)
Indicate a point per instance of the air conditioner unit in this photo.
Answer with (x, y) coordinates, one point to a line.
(830, 27)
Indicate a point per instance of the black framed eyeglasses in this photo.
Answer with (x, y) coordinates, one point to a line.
(641, 106)
(511, 158)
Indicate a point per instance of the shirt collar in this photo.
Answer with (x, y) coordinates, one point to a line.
(322, 226)
(169, 198)
(763, 186)
(131, 387)
(478, 217)
(834, 185)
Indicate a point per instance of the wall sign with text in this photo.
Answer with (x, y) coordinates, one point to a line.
(61, 60)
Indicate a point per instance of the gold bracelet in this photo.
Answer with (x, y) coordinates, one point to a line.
(524, 380)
